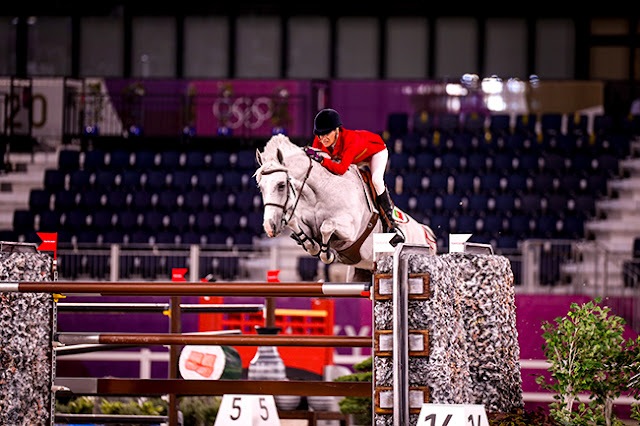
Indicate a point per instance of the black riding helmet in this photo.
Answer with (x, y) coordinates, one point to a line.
(326, 120)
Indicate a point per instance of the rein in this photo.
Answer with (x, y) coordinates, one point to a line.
(284, 220)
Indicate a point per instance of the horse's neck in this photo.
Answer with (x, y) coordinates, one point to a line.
(327, 195)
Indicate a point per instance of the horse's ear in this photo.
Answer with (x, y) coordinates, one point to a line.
(280, 157)
(258, 157)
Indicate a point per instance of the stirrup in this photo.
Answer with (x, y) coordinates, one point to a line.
(398, 238)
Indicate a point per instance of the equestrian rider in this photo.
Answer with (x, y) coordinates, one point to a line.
(347, 147)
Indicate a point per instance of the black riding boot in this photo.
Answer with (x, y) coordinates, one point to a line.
(386, 208)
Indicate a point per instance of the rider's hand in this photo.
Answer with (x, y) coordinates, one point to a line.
(313, 154)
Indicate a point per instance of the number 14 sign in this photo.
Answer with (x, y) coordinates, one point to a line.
(452, 415)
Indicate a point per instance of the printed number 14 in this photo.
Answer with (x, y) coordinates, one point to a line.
(447, 419)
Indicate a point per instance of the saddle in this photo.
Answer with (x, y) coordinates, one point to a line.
(351, 255)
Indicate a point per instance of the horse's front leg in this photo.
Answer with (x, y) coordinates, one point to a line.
(327, 229)
(302, 238)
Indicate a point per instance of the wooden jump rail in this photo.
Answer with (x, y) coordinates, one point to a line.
(185, 308)
(184, 387)
(150, 339)
(171, 288)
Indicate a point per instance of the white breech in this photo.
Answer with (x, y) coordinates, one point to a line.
(378, 167)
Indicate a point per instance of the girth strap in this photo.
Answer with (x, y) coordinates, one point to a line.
(351, 255)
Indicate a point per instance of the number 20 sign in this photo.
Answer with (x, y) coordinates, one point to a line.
(452, 415)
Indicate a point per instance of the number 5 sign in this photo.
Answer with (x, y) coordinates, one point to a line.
(247, 410)
(452, 415)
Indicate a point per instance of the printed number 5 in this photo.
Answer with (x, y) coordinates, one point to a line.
(235, 405)
(264, 408)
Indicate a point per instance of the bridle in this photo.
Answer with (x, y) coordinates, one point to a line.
(283, 206)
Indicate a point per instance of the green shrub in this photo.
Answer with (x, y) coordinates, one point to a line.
(588, 354)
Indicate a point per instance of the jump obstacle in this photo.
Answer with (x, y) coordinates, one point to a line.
(444, 332)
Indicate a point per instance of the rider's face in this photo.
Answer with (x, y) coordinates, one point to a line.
(329, 139)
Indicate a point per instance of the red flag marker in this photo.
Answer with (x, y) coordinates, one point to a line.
(49, 242)
(177, 274)
(272, 276)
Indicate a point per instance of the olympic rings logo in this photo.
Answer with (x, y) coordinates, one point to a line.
(243, 111)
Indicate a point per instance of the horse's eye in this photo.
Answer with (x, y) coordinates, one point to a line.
(281, 186)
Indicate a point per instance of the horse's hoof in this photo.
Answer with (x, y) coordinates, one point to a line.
(313, 250)
(327, 257)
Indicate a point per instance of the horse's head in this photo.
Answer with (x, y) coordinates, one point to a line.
(277, 164)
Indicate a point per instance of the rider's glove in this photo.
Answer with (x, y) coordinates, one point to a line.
(313, 154)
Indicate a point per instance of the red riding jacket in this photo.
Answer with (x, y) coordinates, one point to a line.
(352, 147)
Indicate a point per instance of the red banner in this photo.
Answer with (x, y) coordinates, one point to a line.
(272, 276)
(49, 242)
(177, 274)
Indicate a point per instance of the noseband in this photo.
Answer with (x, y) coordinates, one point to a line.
(284, 220)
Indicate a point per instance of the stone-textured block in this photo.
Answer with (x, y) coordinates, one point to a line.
(26, 354)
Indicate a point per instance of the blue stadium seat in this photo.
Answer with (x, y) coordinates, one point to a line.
(425, 161)
(118, 199)
(412, 182)
(411, 143)
(399, 162)
(577, 124)
(79, 180)
(49, 221)
(180, 220)
(170, 160)
(167, 199)
(102, 219)
(65, 200)
(504, 202)
(145, 160)
(530, 202)
(465, 224)
(193, 200)
(246, 160)
(75, 221)
(220, 160)
(499, 124)
(507, 241)
(204, 221)
(478, 203)
(94, 160)
(423, 123)
(54, 180)
(438, 182)
(126, 220)
(519, 225)
(464, 183)
(490, 183)
(183, 179)
(155, 180)
(195, 159)
(525, 124)
(551, 123)
(39, 200)
(207, 179)
(451, 161)
(119, 159)
(397, 124)
(68, 160)
(142, 200)
(131, 179)
(105, 179)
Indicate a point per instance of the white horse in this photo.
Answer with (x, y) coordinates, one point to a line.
(331, 216)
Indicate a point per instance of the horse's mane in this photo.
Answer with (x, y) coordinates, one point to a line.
(269, 155)
(281, 142)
